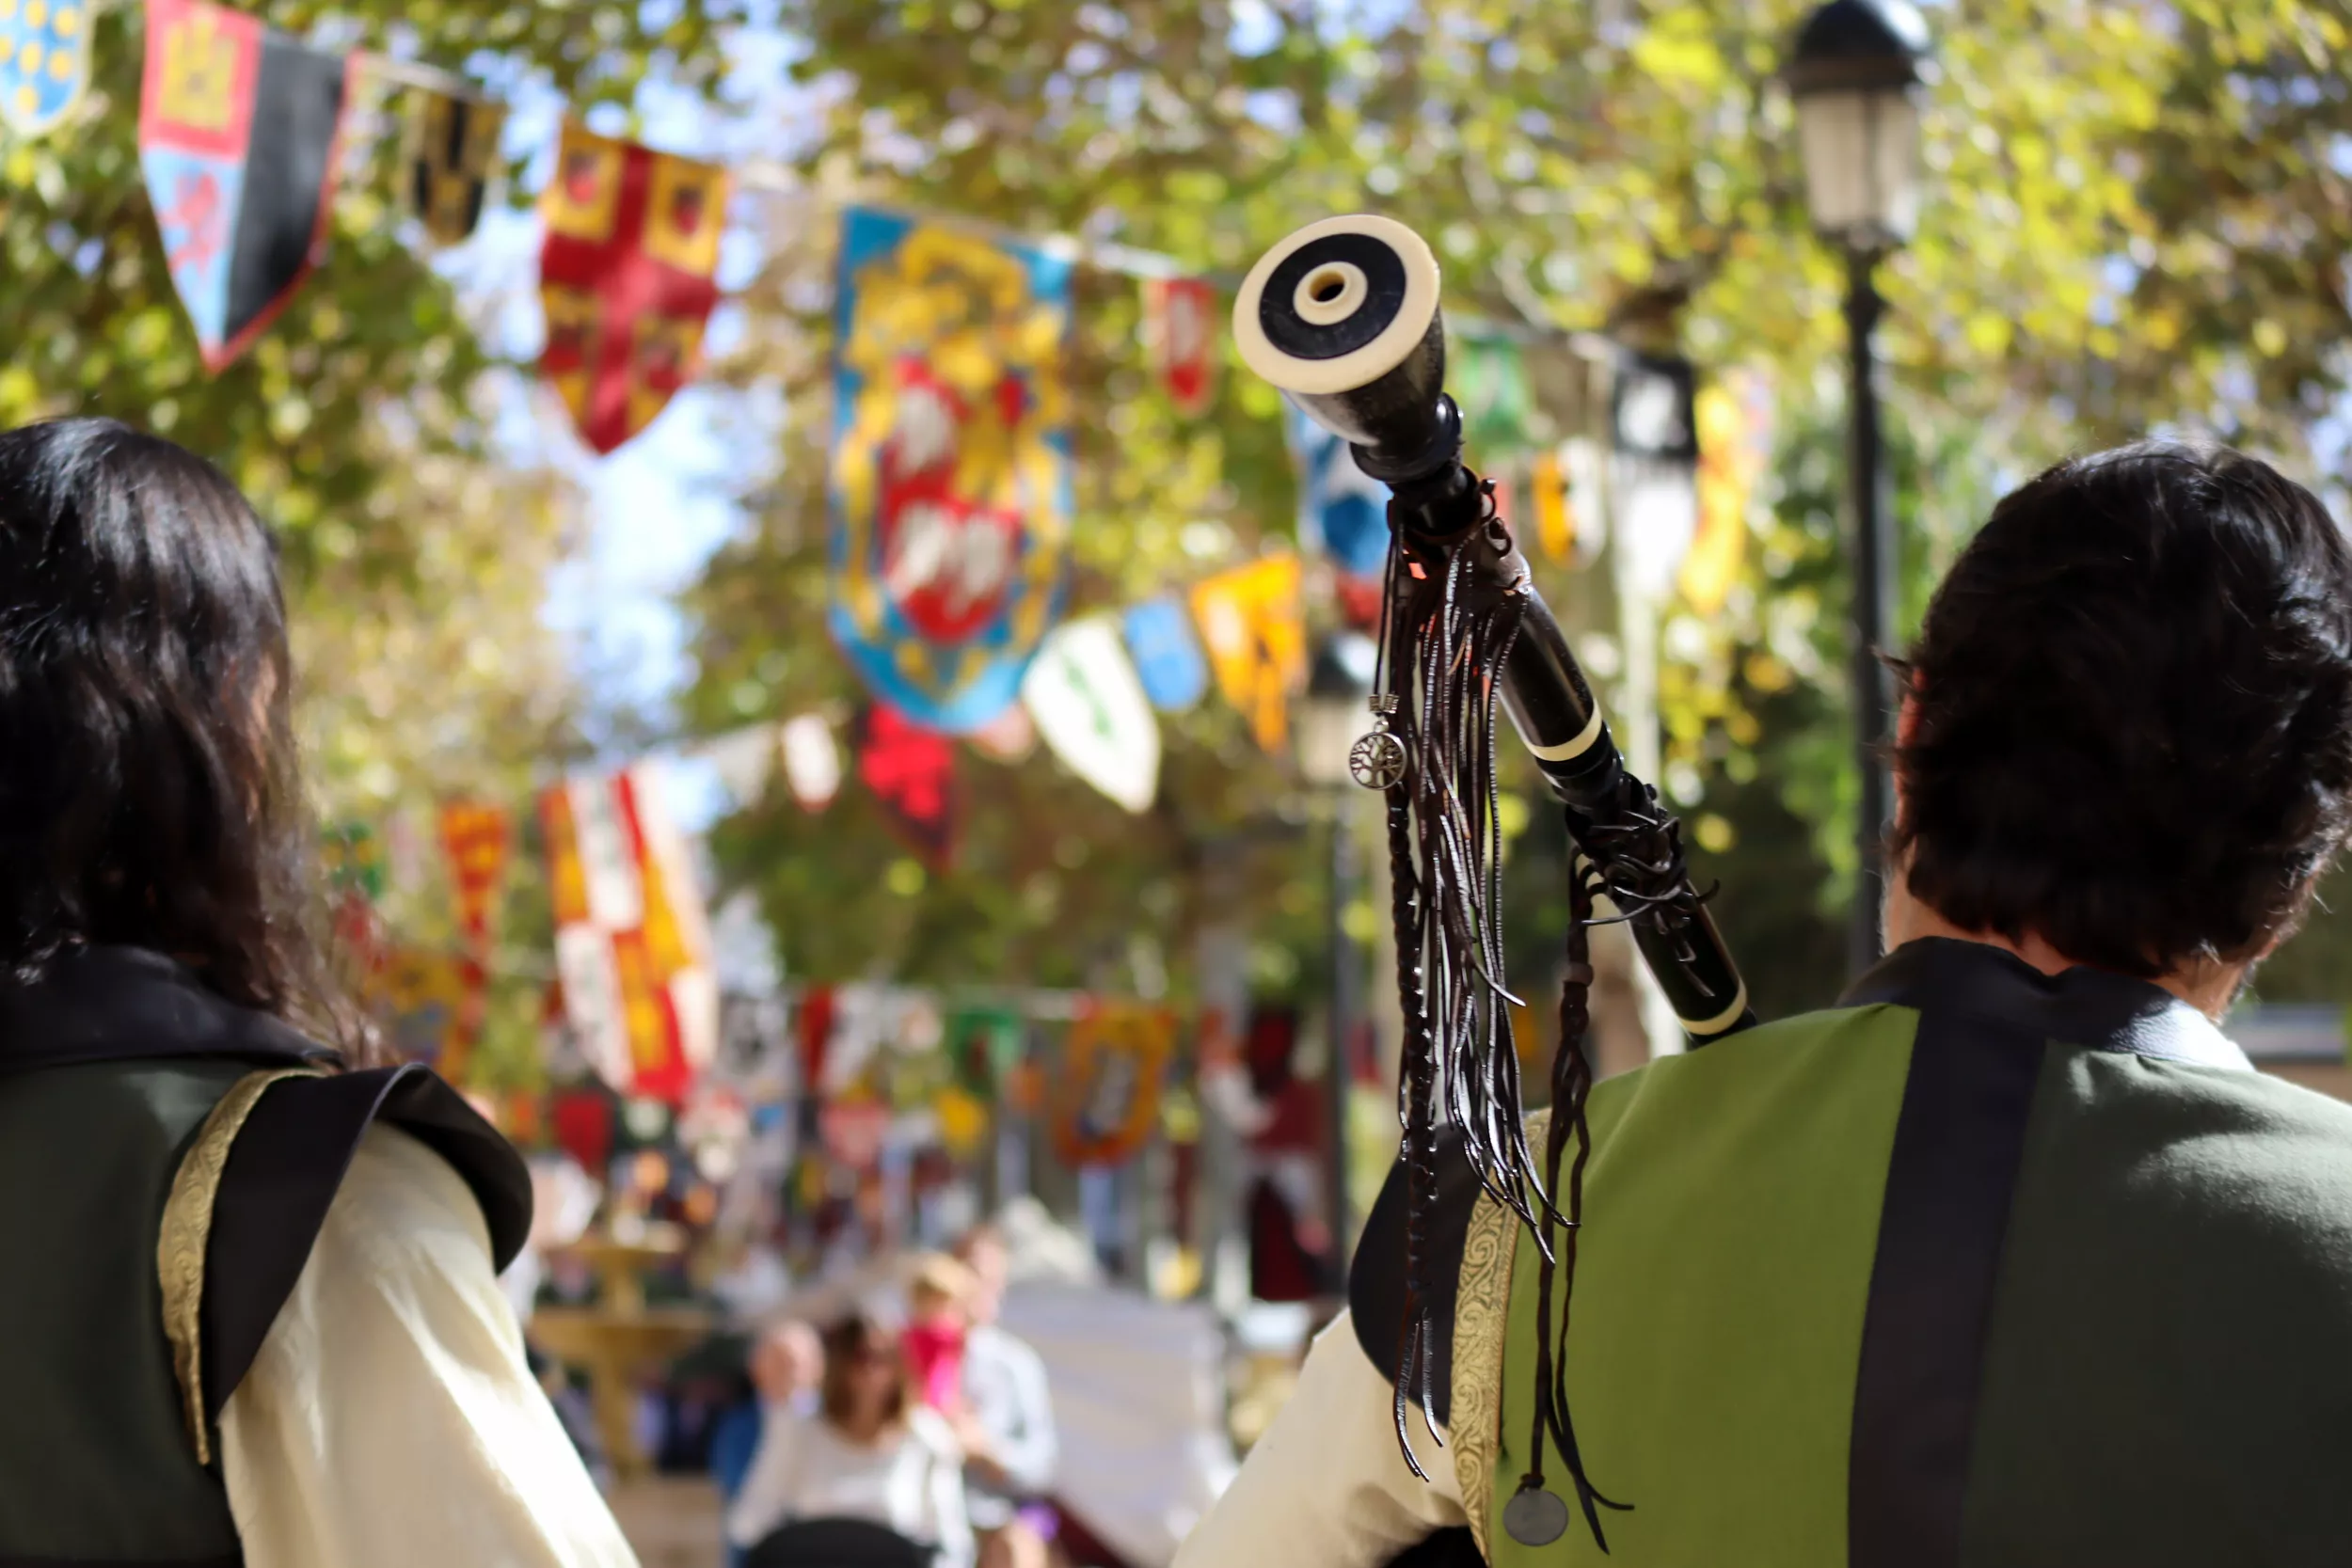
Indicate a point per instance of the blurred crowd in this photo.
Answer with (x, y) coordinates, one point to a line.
(902, 1427)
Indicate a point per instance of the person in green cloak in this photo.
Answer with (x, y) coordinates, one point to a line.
(2007, 1261)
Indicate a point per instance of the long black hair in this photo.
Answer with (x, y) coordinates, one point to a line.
(149, 794)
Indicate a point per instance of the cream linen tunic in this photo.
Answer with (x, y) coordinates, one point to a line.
(390, 1420)
(1326, 1487)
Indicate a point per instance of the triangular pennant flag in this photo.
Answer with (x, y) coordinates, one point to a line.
(1249, 621)
(240, 136)
(625, 275)
(812, 763)
(1178, 330)
(912, 773)
(44, 63)
(452, 144)
(1167, 653)
(1092, 712)
(743, 759)
(1734, 419)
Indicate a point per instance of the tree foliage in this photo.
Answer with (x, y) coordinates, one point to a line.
(360, 422)
(416, 543)
(2134, 219)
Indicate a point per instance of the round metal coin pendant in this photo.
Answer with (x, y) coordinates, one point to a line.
(1535, 1518)
(1377, 760)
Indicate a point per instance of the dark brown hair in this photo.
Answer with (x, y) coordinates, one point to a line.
(149, 789)
(2131, 728)
(850, 1341)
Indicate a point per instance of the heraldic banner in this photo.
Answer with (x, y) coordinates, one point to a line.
(1089, 704)
(1106, 1095)
(632, 945)
(240, 131)
(626, 276)
(44, 63)
(448, 148)
(950, 476)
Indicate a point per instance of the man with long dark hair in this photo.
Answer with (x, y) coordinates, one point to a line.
(251, 1310)
(2010, 1261)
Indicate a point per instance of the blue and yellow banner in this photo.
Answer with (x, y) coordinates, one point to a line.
(44, 63)
(950, 473)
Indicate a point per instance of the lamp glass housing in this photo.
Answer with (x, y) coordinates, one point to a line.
(1328, 728)
(1333, 717)
(1861, 147)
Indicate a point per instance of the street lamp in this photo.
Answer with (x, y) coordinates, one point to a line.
(1329, 723)
(1333, 718)
(1855, 75)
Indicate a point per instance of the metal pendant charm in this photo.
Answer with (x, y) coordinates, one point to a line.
(1535, 1518)
(1377, 760)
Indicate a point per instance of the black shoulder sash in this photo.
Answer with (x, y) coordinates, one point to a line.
(283, 1172)
(126, 1004)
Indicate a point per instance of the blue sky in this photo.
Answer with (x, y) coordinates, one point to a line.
(661, 505)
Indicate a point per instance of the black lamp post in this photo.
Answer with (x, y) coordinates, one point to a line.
(1855, 75)
(1330, 721)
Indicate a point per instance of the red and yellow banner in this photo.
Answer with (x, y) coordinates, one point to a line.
(625, 275)
(479, 840)
(633, 941)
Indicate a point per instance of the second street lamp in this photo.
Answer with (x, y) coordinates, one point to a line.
(1855, 77)
(1330, 721)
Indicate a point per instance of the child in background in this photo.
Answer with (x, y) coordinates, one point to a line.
(936, 1326)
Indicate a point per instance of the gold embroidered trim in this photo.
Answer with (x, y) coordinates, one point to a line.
(1482, 1320)
(188, 1225)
